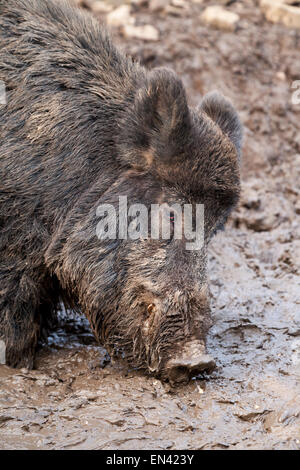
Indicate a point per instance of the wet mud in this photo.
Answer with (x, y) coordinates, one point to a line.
(77, 399)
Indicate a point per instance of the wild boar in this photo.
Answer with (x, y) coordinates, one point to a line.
(82, 126)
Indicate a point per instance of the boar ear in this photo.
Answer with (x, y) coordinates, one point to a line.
(157, 125)
(222, 112)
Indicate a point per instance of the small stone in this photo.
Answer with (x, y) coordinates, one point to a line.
(120, 17)
(179, 3)
(200, 390)
(146, 32)
(158, 5)
(250, 198)
(278, 11)
(99, 6)
(220, 18)
(281, 76)
(174, 11)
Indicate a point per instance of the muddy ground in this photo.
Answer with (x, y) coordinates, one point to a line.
(77, 399)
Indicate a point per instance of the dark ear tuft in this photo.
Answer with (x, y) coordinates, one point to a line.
(157, 125)
(222, 112)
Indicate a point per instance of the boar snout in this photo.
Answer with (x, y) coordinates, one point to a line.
(188, 362)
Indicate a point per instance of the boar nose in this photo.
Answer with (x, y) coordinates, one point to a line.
(188, 362)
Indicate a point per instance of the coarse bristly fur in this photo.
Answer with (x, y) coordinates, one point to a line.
(83, 124)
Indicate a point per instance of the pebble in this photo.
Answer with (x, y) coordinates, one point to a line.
(220, 18)
(96, 6)
(278, 11)
(120, 17)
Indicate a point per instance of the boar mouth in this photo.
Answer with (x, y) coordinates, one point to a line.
(189, 357)
(190, 361)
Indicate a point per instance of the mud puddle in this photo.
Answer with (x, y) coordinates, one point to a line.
(76, 399)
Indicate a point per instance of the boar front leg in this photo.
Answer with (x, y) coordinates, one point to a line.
(19, 314)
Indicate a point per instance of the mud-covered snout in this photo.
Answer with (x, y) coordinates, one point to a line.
(173, 333)
(189, 361)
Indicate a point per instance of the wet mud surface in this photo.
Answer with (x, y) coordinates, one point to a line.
(77, 399)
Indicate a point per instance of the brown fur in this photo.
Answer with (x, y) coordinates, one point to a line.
(83, 125)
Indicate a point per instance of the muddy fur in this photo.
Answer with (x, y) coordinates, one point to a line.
(83, 125)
